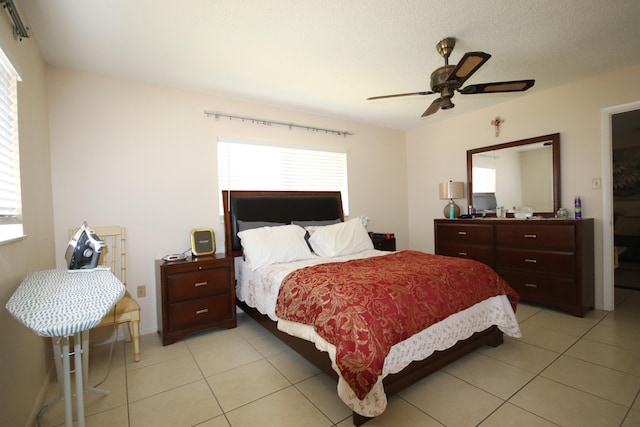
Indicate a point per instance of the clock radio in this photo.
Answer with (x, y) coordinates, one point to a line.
(203, 241)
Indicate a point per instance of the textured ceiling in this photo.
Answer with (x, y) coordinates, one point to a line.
(328, 56)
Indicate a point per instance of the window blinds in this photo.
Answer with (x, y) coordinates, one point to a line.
(10, 202)
(246, 165)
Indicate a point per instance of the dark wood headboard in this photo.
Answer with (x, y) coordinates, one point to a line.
(275, 206)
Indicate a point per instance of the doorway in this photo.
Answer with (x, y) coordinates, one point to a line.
(608, 289)
(625, 147)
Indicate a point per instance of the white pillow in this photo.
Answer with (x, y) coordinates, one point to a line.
(340, 239)
(271, 245)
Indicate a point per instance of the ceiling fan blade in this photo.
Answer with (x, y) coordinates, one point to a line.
(433, 108)
(428, 92)
(468, 65)
(514, 86)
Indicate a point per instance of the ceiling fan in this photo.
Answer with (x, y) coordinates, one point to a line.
(448, 78)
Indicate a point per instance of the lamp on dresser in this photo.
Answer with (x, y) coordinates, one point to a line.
(449, 191)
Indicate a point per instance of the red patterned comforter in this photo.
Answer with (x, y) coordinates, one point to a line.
(365, 306)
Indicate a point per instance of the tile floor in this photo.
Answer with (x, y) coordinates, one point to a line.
(565, 371)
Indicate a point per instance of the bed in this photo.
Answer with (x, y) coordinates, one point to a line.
(267, 288)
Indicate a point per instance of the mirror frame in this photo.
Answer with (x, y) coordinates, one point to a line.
(555, 144)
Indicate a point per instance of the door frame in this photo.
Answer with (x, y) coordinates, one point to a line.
(606, 115)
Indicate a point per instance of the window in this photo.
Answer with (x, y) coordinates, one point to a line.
(484, 180)
(10, 199)
(246, 165)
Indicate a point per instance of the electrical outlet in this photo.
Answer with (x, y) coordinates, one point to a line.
(596, 184)
(142, 291)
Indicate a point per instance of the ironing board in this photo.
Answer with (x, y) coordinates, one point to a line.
(61, 304)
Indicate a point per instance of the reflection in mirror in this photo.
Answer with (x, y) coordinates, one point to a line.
(523, 177)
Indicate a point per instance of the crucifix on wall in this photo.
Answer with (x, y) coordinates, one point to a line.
(497, 122)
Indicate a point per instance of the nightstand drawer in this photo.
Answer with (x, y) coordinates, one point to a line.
(536, 236)
(384, 244)
(199, 312)
(197, 284)
(544, 262)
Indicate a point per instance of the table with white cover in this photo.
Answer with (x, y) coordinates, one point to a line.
(62, 304)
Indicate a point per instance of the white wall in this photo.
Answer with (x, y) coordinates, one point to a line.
(144, 157)
(436, 152)
(25, 357)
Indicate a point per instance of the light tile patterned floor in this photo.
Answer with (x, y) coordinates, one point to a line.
(565, 371)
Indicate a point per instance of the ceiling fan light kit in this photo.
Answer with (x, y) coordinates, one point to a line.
(447, 79)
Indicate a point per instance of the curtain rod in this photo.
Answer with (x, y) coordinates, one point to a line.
(217, 115)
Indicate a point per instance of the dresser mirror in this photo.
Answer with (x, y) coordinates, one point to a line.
(523, 177)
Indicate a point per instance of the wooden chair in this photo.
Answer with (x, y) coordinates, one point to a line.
(127, 309)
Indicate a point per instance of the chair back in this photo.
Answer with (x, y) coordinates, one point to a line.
(114, 253)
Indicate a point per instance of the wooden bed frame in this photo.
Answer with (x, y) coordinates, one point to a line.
(285, 206)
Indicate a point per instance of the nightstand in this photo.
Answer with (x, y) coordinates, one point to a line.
(383, 241)
(194, 294)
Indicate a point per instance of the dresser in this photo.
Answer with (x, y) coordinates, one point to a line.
(194, 294)
(547, 261)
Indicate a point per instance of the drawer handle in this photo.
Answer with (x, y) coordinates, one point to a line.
(200, 284)
(531, 261)
(530, 236)
(462, 253)
(530, 285)
(462, 233)
(203, 311)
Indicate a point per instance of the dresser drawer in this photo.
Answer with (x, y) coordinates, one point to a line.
(198, 283)
(477, 234)
(537, 236)
(544, 262)
(199, 312)
(540, 288)
(484, 254)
